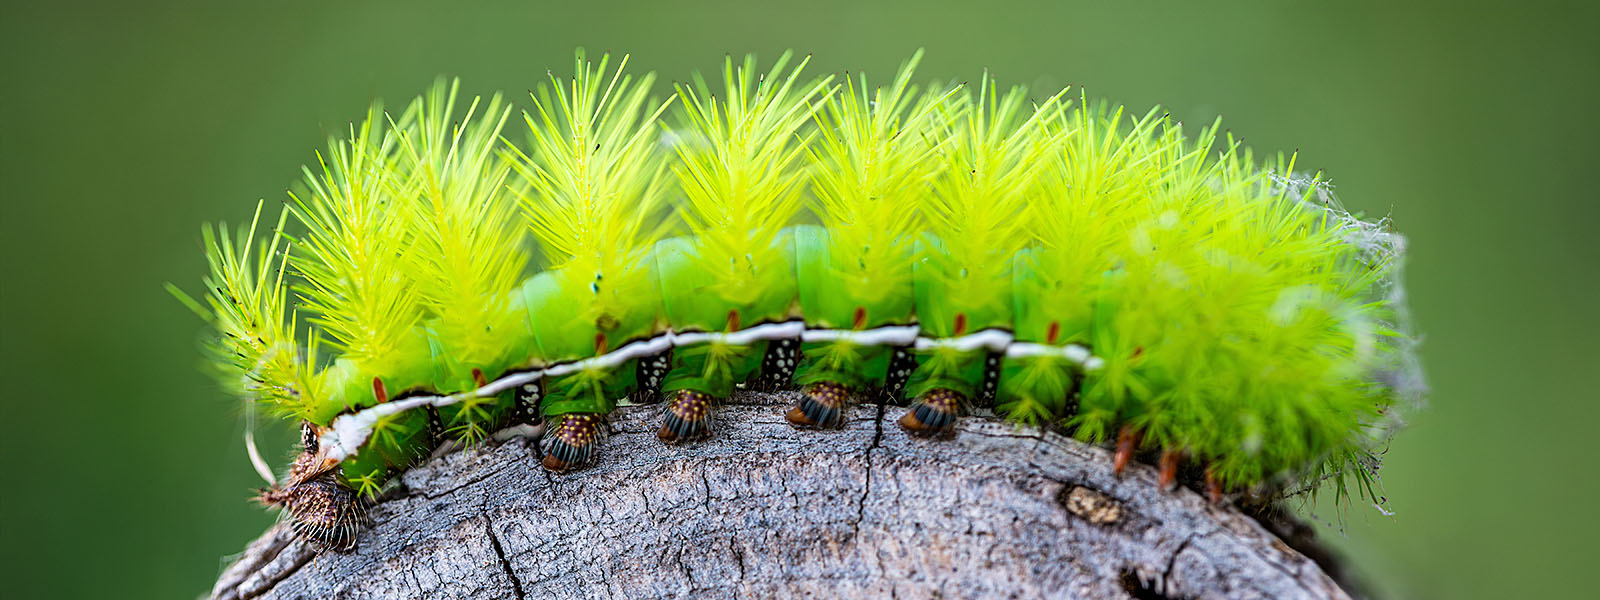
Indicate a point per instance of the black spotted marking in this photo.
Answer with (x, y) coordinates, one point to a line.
(989, 389)
(688, 417)
(777, 367)
(527, 410)
(649, 373)
(308, 437)
(1069, 406)
(901, 364)
(436, 431)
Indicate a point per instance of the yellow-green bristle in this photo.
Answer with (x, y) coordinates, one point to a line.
(596, 192)
(991, 168)
(466, 249)
(349, 257)
(876, 154)
(256, 353)
(741, 169)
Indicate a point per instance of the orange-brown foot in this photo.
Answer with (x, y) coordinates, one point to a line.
(1168, 474)
(688, 417)
(1127, 442)
(573, 442)
(934, 413)
(1213, 487)
(821, 405)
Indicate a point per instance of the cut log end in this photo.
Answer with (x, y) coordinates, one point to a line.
(763, 509)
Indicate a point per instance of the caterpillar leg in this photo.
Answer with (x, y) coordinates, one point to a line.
(934, 413)
(436, 431)
(990, 387)
(1167, 466)
(439, 437)
(688, 417)
(573, 441)
(821, 405)
(527, 401)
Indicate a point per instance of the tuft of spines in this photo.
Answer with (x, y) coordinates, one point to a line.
(596, 180)
(466, 250)
(255, 353)
(1092, 192)
(348, 258)
(877, 153)
(1094, 189)
(991, 169)
(1212, 347)
(741, 179)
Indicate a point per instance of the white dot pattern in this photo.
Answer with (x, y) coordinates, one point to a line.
(650, 373)
(901, 364)
(991, 380)
(778, 366)
(526, 409)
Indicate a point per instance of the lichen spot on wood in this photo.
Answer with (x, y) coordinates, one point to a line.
(1092, 506)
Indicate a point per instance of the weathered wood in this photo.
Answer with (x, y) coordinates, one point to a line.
(764, 510)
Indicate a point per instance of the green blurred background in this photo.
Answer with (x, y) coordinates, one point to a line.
(126, 125)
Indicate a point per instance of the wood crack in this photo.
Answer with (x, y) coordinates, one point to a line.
(500, 551)
(877, 438)
(1172, 564)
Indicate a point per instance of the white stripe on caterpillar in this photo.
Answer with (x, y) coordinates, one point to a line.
(993, 340)
(890, 335)
(743, 337)
(1073, 352)
(348, 433)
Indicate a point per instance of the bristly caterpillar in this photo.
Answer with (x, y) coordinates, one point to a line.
(956, 246)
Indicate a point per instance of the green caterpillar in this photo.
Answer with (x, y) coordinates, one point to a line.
(1058, 261)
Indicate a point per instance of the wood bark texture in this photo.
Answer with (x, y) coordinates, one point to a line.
(764, 510)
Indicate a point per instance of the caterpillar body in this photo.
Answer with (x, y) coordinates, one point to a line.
(1059, 261)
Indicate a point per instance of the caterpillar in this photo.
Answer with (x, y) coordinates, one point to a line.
(1058, 261)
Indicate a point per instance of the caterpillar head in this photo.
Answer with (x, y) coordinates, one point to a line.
(312, 461)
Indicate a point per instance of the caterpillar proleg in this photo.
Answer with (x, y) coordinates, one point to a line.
(954, 247)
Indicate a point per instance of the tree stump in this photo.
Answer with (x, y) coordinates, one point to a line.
(764, 510)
